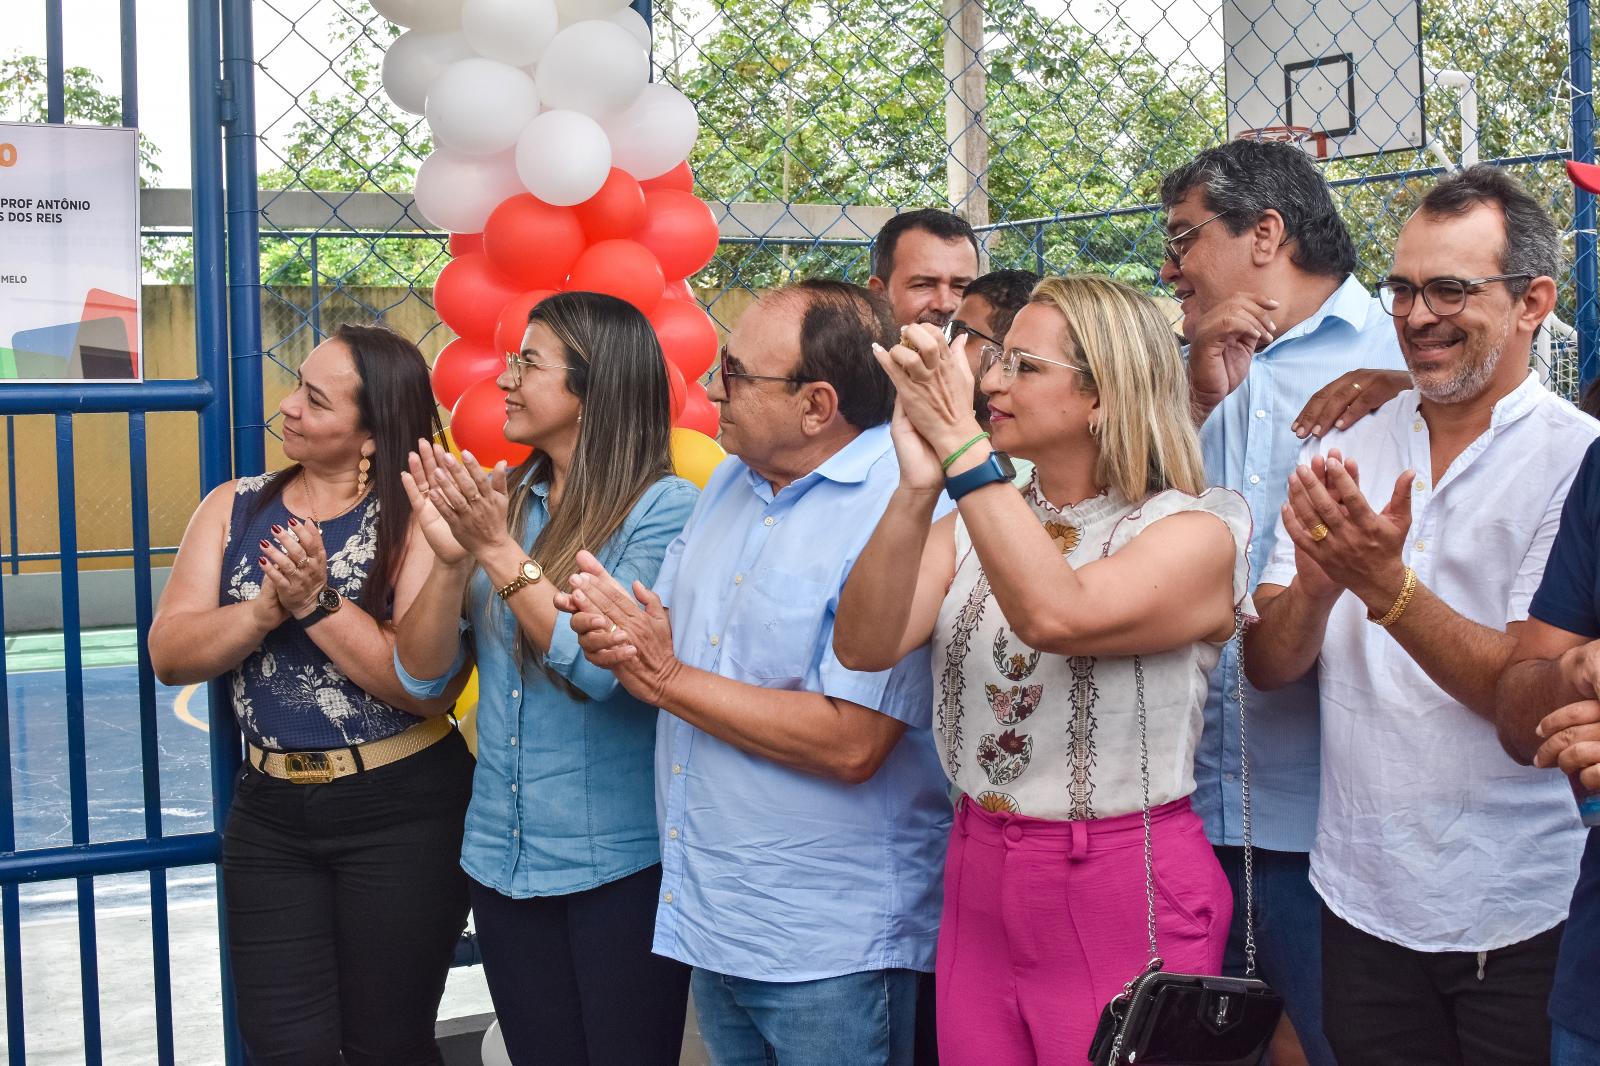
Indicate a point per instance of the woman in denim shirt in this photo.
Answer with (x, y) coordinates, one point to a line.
(561, 843)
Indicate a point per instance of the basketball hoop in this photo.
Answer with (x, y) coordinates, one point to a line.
(1314, 143)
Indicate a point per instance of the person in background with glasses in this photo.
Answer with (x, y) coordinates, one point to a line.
(561, 846)
(1262, 263)
(987, 309)
(803, 811)
(1109, 582)
(1407, 555)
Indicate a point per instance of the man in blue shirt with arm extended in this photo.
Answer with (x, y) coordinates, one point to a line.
(803, 809)
(1262, 264)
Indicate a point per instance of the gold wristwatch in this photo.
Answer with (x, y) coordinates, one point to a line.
(529, 573)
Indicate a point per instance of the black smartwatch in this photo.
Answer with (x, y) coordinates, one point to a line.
(328, 601)
(985, 473)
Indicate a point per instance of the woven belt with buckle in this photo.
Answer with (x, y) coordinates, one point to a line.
(320, 767)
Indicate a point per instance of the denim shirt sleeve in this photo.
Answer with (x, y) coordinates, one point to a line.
(655, 523)
(427, 689)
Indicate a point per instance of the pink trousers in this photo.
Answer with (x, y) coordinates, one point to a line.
(1044, 921)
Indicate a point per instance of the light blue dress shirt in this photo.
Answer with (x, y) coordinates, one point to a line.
(769, 873)
(562, 796)
(1249, 447)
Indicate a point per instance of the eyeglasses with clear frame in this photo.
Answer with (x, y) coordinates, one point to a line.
(515, 364)
(1177, 245)
(1009, 359)
(1443, 296)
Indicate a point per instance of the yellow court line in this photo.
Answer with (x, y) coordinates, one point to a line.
(180, 707)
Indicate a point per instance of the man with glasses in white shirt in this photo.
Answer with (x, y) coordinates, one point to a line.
(1407, 554)
(1262, 264)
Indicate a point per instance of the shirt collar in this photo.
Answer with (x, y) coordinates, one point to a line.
(1510, 407)
(1350, 303)
(847, 466)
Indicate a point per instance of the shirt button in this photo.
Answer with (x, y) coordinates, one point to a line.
(516, 833)
(513, 742)
(513, 786)
(672, 834)
(1422, 545)
(677, 768)
(515, 693)
(769, 520)
(1255, 479)
(715, 640)
(1227, 777)
(1416, 427)
(1260, 413)
(667, 898)
(738, 579)
(1422, 484)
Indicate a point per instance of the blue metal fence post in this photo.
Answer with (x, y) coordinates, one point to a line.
(244, 258)
(1585, 269)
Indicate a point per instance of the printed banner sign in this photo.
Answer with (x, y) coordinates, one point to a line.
(69, 254)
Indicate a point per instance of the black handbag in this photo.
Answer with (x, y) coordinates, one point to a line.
(1180, 1019)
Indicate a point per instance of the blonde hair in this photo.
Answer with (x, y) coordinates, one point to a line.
(1119, 336)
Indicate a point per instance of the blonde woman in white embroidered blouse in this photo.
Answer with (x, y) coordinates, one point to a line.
(1114, 570)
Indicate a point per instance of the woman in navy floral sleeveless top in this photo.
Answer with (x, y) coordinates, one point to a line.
(339, 858)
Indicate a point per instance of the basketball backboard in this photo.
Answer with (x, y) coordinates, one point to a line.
(1347, 70)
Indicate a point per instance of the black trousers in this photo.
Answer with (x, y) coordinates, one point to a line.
(344, 904)
(1385, 1004)
(573, 979)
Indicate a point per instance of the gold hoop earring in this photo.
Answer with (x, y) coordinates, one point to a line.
(1094, 428)
(362, 469)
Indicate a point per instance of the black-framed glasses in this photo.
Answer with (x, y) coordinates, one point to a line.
(515, 364)
(1177, 245)
(1009, 359)
(725, 374)
(1443, 296)
(955, 328)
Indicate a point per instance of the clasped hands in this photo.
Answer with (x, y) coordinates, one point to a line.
(1340, 542)
(294, 565)
(630, 635)
(933, 412)
(461, 509)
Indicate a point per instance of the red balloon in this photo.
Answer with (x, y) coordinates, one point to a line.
(624, 269)
(465, 244)
(678, 389)
(478, 422)
(616, 211)
(679, 290)
(513, 321)
(469, 295)
(461, 364)
(699, 413)
(679, 177)
(680, 230)
(688, 337)
(533, 242)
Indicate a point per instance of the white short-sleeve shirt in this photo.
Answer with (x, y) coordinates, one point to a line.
(1429, 835)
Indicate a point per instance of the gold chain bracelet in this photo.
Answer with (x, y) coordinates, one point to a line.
(1407, 590)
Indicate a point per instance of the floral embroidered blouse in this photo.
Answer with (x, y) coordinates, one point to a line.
(1055, 736)
(287, 694)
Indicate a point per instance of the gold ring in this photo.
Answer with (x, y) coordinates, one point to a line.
(1319, 531)
(613, 628)
(1356, 385)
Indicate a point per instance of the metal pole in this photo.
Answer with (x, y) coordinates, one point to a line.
(55, 65)
(244, 255)
(1585, 270)
(966, 92)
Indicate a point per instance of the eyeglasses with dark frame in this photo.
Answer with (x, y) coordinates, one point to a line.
(724, 373)
(515, 364)
(955, 328)
(1175, 249)
(991, 355)
(1443, 296)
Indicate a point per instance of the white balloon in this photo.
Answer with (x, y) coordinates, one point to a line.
(511, 31)
(421, 14)
(655, 134)
(563, 157)
(457, 192)
(634, 23)
(595, 67)
(494, 1051)
(577, 10)
(479, 106)
(415, 61)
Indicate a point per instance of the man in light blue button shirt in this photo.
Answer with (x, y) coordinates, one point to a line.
(1262, 262)
(803, 808)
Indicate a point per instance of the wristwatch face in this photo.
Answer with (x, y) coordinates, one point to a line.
(531, 571)
(328, 599)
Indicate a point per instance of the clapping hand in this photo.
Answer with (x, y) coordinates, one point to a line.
(296, 566)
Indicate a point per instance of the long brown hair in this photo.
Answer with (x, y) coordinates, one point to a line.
(616, 370)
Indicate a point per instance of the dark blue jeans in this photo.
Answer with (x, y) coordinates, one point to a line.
(1568, 1048)
(863, 1019)
(1288, 916)
(344, 904)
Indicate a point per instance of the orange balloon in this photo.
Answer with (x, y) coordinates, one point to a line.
(461, 364)
(469, 295)
(478, 422)
(616, 211)
(687, 335)
(513, 321)
(532, 242)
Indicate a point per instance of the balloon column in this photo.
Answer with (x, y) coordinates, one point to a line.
(559, 166)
